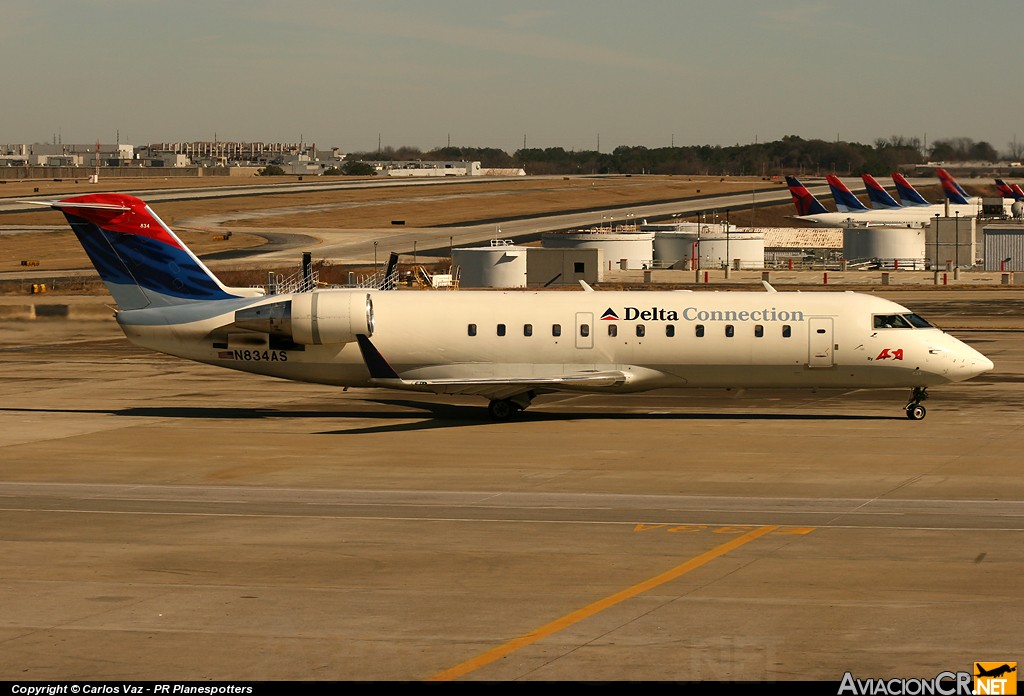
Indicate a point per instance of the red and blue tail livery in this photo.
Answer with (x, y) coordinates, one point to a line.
(954, 192)
(846, 202)
(1004, 189)
(907, 193)
(804, 200)
(880, 198)
(141, 261)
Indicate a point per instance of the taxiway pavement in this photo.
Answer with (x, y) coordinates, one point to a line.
(165, 519)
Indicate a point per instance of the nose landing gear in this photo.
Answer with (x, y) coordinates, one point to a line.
(915, 411)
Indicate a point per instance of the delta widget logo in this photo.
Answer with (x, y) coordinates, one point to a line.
(609, 315)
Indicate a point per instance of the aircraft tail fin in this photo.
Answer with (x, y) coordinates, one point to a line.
(846, 202)
(1018, 193)
(880, 198)
(804, 200)
(140, 260)
(907, 193)
(1004, 189)
(954, 192)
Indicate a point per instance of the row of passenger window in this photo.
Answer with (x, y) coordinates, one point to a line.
(641, 330)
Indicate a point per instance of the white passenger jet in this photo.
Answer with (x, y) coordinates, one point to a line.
(507, 347)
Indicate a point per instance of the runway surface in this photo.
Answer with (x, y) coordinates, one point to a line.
(164, 519)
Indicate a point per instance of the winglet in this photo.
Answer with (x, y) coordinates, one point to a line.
(586, 287)
(768, 286)
(375, 362)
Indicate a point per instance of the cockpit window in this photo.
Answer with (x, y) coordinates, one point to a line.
(891, 321)
(917, 321)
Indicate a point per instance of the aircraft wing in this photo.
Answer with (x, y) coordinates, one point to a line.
(382, 374)
(501, 388)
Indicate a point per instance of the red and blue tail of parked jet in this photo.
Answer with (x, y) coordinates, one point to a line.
(1005, 190)
(804, 200)
(846, 202)
(907, 193)
(954, 192)
(140, 260)
(880, 198)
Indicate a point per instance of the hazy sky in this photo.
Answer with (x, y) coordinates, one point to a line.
(576, 74)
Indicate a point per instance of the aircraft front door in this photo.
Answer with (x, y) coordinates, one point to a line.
(819, 342)
(584, 329)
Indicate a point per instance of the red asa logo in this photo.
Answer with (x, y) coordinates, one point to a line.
(896, 354)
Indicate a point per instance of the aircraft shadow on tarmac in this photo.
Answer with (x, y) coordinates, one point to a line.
(438, 415)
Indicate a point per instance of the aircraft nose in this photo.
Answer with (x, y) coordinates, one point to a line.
(974, 363)
(981, 364)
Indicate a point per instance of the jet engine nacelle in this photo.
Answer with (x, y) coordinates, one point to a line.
(331, 316)
(313, 318)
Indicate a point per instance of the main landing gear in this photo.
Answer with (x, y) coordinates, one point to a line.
(915, 411)
(504, 409)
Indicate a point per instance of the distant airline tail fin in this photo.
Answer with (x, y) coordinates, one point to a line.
(1004, 189)
(954, 192)
(804, 200)
(1018, 193)
(880, 198)
(141, 261)
(846, 202)
(908, 194)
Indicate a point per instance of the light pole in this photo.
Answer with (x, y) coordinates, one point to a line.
(375, 257)
(958, 239)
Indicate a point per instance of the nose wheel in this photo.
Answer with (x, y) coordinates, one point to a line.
(915, 411)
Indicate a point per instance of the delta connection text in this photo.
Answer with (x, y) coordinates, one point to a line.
(768, 314)
(129, 688)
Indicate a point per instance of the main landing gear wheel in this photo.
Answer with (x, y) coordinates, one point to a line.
(915, 411)
(502, 409)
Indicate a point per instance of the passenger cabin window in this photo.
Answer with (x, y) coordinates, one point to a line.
(759, 330)
(584, 330)
(787, 330)
(730, 330)
(527, 329)
(501, 329)
(670, 330)
(471, 329)
(613, 330)
(891, 321)
(698, 331)
(556, 329)
(640, 330)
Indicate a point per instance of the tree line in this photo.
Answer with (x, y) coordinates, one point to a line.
(791, 154)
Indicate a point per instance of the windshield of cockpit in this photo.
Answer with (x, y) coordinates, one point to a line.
(900, 321)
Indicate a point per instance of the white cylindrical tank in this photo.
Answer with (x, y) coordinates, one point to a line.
(636, 249)
(904, 246)
(501, 265)
(673, 246)
(717, 250)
